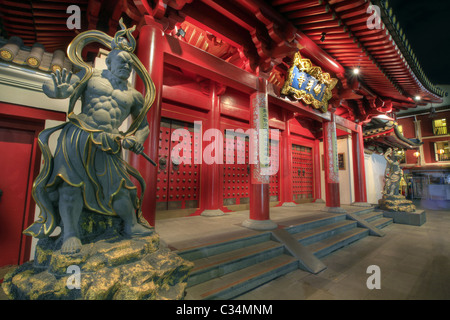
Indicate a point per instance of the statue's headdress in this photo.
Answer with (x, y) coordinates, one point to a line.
(119, 42)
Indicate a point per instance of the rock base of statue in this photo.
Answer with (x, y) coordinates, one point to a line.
(416, 218)
(108, 267)
(396, 203)
(401, 210)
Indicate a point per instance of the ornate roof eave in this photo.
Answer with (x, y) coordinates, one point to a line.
(36, 58)
(340, 29)
(398, 35)
(389, 134)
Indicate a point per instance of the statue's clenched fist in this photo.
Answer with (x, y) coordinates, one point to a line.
(132, 144)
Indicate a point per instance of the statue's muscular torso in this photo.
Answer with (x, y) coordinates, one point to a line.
(108, 102)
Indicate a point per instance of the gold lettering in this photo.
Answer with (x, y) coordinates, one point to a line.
(300, 80)
(310, 84)
(317, 89)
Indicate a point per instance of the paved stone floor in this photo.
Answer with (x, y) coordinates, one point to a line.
(414, 261)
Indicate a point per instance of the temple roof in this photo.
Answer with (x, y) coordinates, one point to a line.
(34, 57)
(383, 134)
(387, 64)
(261, 36)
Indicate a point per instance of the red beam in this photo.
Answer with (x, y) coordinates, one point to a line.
(179, 53)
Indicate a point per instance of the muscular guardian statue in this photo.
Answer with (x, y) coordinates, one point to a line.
(393, 173)
(87, 171)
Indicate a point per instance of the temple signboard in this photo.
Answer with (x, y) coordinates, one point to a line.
(308, 83)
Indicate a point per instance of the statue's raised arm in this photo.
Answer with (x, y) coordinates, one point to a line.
(388, 154)
(62, 84)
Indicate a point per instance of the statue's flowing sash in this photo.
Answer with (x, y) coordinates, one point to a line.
(48, 219)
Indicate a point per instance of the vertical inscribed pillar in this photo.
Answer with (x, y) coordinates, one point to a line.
(317, 180)
(259, 218)
(331, 166)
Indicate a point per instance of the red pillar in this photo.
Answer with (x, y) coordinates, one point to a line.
(259, 218)
(359, 173)
(150, 52)
(317, 168)
(210, 198)
(286, 196)
(331, 165)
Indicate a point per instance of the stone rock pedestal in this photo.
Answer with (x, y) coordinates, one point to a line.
(110, 268)
(396, 203)
(416, 218)
(401, 210)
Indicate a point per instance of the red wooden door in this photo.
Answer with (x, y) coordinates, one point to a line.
(177, 184)
(236, 175)
(274, 188)
(302, 173)
(16, 148)
(236, 172)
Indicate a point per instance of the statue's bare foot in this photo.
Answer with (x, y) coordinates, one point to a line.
(138, 230)
(71, 245)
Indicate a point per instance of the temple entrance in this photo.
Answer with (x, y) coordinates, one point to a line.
(19, 165)
(302, 173)
(14, 179)
(274, 188)
(178, 184)
(236, 175)
(236, 169)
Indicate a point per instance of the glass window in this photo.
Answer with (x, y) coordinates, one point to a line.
(442, 150)
(439, 127)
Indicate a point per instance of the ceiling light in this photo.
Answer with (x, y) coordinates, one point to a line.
(417, 98)
(356, 71)
(384, 117)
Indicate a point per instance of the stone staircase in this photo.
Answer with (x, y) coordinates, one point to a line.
(375, 217)
(227, 269)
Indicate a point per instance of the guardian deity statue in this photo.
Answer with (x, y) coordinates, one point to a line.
(87, 170)
(393, 173)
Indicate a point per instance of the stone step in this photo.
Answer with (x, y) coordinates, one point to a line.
(371, 216)
(236, 283)
(376, 218)
(335, 242)
(211, 249)
(227, 262)
(227, 269)
(365, 211)
(320, 233)
(382, 222)
(317, 220)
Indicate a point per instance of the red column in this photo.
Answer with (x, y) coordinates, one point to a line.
(331, 166)
(286, 196)
(359, 173)
(150, 52)
(259, 218)
(210, 199)
(317, 168)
